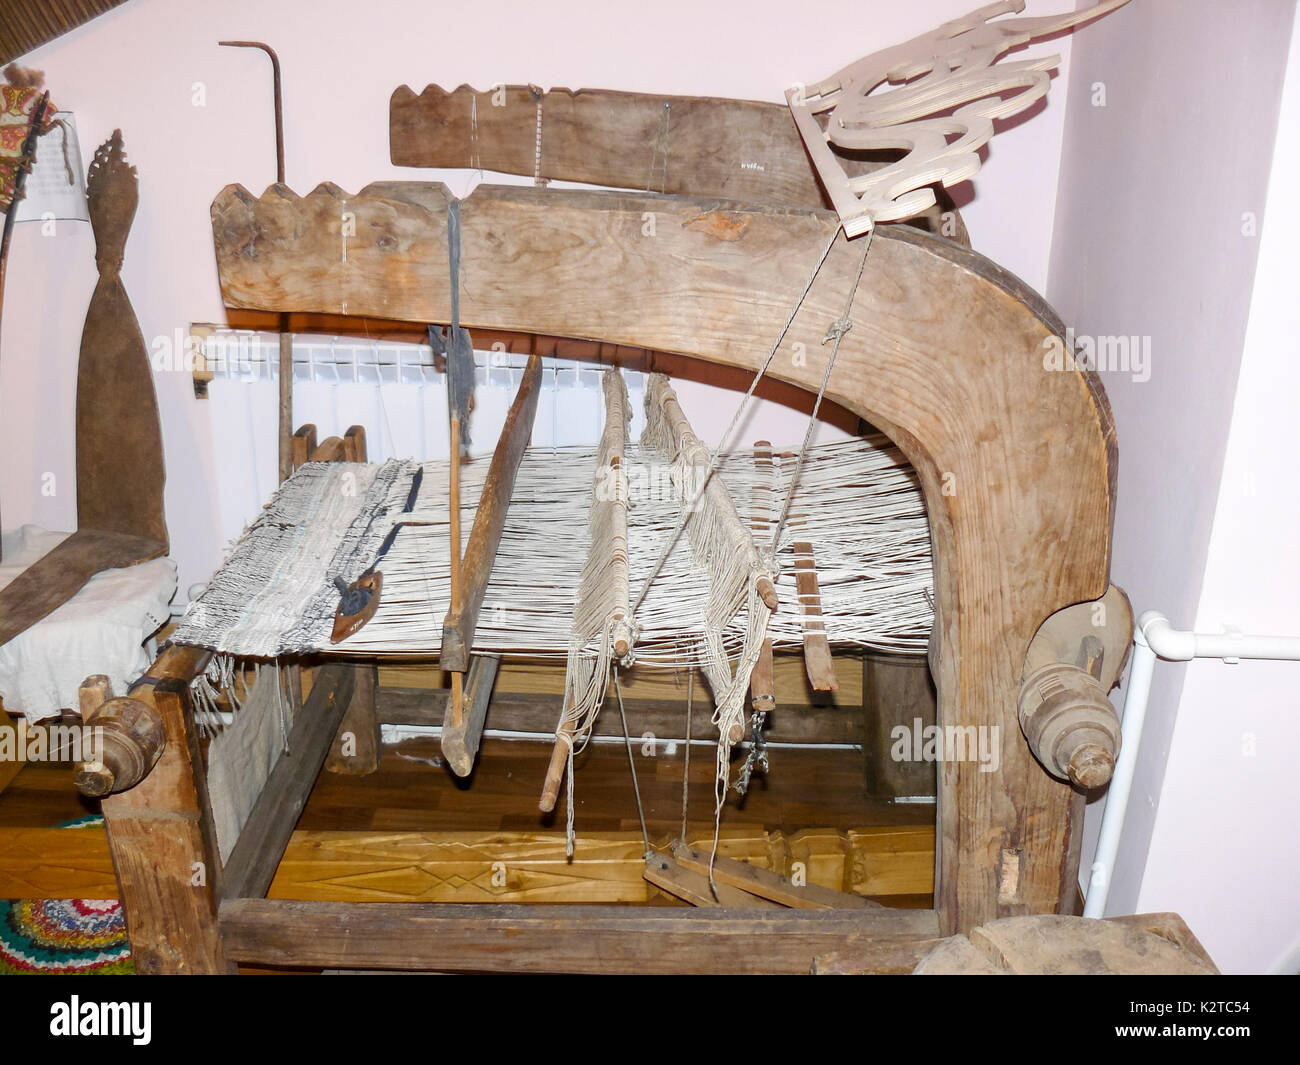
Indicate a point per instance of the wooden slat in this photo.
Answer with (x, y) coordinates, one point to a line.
(530, 677)
(567, 939)
(691, 885)
(767, 884)
(460, 742)
(490, 520)
(252, 862)
(520, 712)
(816, 648)
(953, 353)
(53, 579)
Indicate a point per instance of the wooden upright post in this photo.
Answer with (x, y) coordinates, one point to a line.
(162, 838)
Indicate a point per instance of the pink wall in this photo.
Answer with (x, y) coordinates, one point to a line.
(1229, 798)
(1149, 240)
(137, 66)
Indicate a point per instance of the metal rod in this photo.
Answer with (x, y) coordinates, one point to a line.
(279, 107)
(286, 337)
(453, 484)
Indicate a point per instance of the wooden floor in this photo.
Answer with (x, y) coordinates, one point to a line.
(340, 849)
(805, 789)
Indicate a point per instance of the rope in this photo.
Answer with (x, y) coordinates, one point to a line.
(631, 763)
(686, 768)
(836, 332)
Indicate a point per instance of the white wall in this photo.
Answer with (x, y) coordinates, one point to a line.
(137, 66)
(1225, 851)
(1149, 240)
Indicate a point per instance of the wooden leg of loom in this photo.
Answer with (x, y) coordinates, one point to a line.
(162, 839)
(357, 746)
(461, 739)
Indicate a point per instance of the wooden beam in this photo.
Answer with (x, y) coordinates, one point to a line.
(357, 745)
(684, 145)
(948, 349)
(163, 841)
(535, 712)
(567, 939)
(253, 860)
(641, 682)
(490, 519)
(460, 741)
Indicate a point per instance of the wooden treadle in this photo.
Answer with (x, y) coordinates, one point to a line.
(54, 579)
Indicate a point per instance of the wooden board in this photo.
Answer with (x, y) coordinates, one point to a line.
(531, 677)
(162, 838)
(490, 520)
(1052, 945)
(535, 712)
(691, 145)
(120, 471)
(765, 883)
(56, 577)
(946, 357)
(566, 939)
(476, 867)
(692, 885)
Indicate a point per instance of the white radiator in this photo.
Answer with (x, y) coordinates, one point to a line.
(393, 390)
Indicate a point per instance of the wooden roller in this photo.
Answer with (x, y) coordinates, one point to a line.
(1073, 661)
(127, 738)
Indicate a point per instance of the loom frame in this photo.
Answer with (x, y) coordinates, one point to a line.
(1016, 463)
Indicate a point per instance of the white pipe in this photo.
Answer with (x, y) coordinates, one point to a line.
(1175, 646)
(1121, 781)
(1154, 637)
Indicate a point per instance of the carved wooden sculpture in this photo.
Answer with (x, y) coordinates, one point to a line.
(119, 442)
(949, 73)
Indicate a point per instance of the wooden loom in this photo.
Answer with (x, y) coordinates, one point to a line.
(1017, 466)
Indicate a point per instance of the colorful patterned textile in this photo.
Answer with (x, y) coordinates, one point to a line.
(16, 105)
(57, 936)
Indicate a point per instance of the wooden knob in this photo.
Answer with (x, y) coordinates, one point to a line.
(1070, 724)
(127, 738)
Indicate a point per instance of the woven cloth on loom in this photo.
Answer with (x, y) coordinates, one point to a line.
(857, 502)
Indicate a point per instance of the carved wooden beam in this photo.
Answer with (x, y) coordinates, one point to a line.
(686, 145)
(1017, 463)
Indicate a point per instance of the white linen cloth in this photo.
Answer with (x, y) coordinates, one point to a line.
(101, 629)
